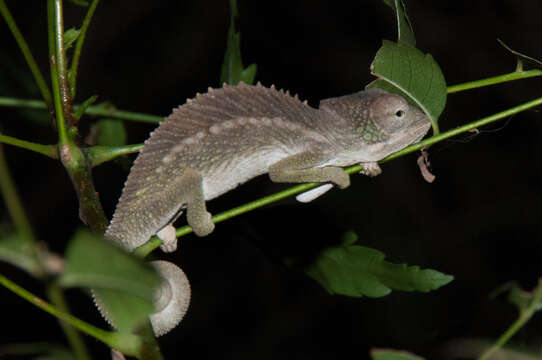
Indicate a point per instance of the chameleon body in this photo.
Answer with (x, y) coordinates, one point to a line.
(225, 137)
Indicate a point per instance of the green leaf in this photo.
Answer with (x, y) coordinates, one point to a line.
(406, 70)
(232, 68)
(84, 106)
(126, 312)
(110, 132)
(94, 262)
(357, 271)
(405, 33)
(124, 283)
(18, 252)
(388, 354)
(70, 36)
(522, 299)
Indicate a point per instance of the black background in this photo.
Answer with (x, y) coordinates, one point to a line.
(478, 221)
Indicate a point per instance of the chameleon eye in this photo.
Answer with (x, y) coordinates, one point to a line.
(400, 113)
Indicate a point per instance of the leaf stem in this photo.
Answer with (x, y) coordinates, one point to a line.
(96, 110)
(516, 75)
(61, 90)
(524, 316)
(79, 46)
(154, 242)
(54, 293)
(47, 150)
(127, 343)
(99, 154)
(14, 204)
(38, 77)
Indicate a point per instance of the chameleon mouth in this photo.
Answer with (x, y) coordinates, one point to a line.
(421, 131)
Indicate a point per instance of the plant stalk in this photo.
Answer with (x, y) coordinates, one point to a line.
(31, 62)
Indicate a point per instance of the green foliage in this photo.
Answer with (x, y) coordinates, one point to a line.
(38, 351)
(124, 283)
(387, 354)
(405, 32)
(357, 271)
(232, 67)
(16, 251)
(406, 70)
(110, 132)
(70, 36)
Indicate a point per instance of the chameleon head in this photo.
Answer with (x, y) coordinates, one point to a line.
(381, 123)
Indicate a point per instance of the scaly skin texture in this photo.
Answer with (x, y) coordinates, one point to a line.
(228, 136)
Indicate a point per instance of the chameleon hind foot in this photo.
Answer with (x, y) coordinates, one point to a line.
(200, 221)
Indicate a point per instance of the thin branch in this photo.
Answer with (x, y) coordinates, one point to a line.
(61, 90)
(14, 203)
(516, 75)
(79, 46)
(96, 110)
(47, 150)
(127, 343)
(99, 154)
(154, 242)
(524, 316)
(40, 80)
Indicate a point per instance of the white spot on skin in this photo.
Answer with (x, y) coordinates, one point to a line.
(254, 121)
(189, 141)
(215, 129)
(167, 158)
(178, 148)
(242, 121)
(158, 170)
(200, 135)
(278, 122)
(315, 136)
(266, 121)
(290, 125)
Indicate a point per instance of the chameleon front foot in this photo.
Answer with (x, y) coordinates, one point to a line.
(168, 236)
(371, 169)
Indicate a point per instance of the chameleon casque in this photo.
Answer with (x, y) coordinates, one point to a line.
(225, 137)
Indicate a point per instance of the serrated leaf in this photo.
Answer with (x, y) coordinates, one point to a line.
(232, 67)
(110, 132)
(405, 33)
(94, 262)
(388, 354)
(18, 253)
(126, 312)
(357, 271)
(406, 70)
(70, 36)
(124, 283)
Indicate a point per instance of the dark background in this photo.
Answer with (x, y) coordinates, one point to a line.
(479, 221)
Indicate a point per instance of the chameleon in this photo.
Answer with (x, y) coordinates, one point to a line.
(225, 137)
